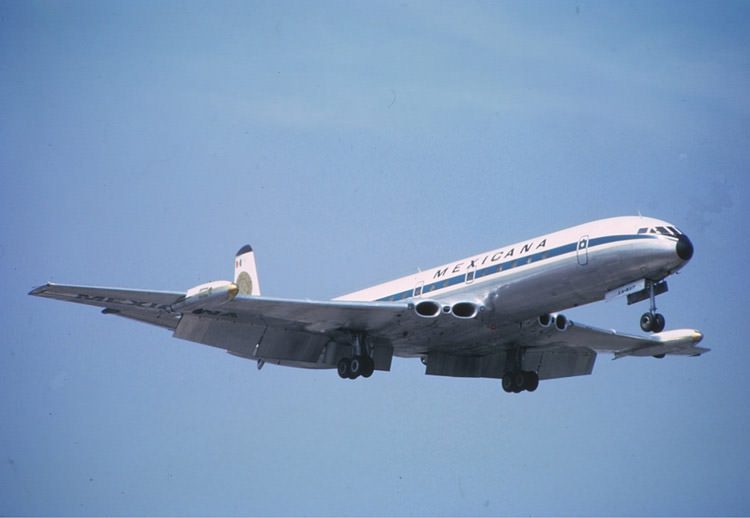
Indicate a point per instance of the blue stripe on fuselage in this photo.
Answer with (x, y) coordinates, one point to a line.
(515, 263)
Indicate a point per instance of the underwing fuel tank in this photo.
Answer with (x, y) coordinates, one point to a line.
(208, 295)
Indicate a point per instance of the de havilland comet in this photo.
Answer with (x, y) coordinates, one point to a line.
(489, 315)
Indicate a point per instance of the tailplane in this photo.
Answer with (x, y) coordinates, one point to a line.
(245, 272)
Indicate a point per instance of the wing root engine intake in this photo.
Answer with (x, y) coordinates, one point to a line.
(462, 310)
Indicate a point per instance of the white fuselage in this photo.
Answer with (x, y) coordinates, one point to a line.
(545, 274)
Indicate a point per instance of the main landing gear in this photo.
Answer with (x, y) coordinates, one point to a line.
(652, 321)
(519, 381)
(360, 364)
(353, 368)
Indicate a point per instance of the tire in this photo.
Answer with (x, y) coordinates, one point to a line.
(508, 383)
(519, 382)
(531, 381)
(659, 323)
(647, 322)
(355, 367)
(368, 366)
(344, 368)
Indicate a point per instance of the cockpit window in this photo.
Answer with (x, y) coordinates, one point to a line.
(664, 231)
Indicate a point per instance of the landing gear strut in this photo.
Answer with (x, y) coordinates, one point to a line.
(361, 364)
(652, 321)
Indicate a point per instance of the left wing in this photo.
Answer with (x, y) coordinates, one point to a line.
(679, 342)
(554, 352)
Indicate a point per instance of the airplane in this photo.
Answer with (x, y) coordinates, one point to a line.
(495, 314)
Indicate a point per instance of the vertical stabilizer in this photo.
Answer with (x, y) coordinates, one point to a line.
(245, 273)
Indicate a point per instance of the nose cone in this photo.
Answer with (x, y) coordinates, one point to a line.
(684, 248)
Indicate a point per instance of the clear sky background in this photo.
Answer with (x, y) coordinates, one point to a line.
(142, 144)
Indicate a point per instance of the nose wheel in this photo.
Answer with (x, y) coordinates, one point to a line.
(652, 322)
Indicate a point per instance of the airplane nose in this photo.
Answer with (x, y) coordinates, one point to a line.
(684, 248)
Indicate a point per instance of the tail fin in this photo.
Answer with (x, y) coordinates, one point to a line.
(245, 273)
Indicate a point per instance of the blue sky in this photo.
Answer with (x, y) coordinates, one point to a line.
(141, 144)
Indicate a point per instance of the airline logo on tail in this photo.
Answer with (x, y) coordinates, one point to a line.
(245, 272)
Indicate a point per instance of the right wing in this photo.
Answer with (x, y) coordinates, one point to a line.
(300, 332)
(151, 307)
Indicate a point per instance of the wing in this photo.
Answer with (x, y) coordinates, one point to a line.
(295, 332)
(317, 316)
(145, 306)
(300, 333)
(679, 342)
(556, 353)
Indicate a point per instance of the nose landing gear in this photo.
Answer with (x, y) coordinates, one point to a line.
(652, 322)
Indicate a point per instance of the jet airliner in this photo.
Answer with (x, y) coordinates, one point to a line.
(495, 314)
